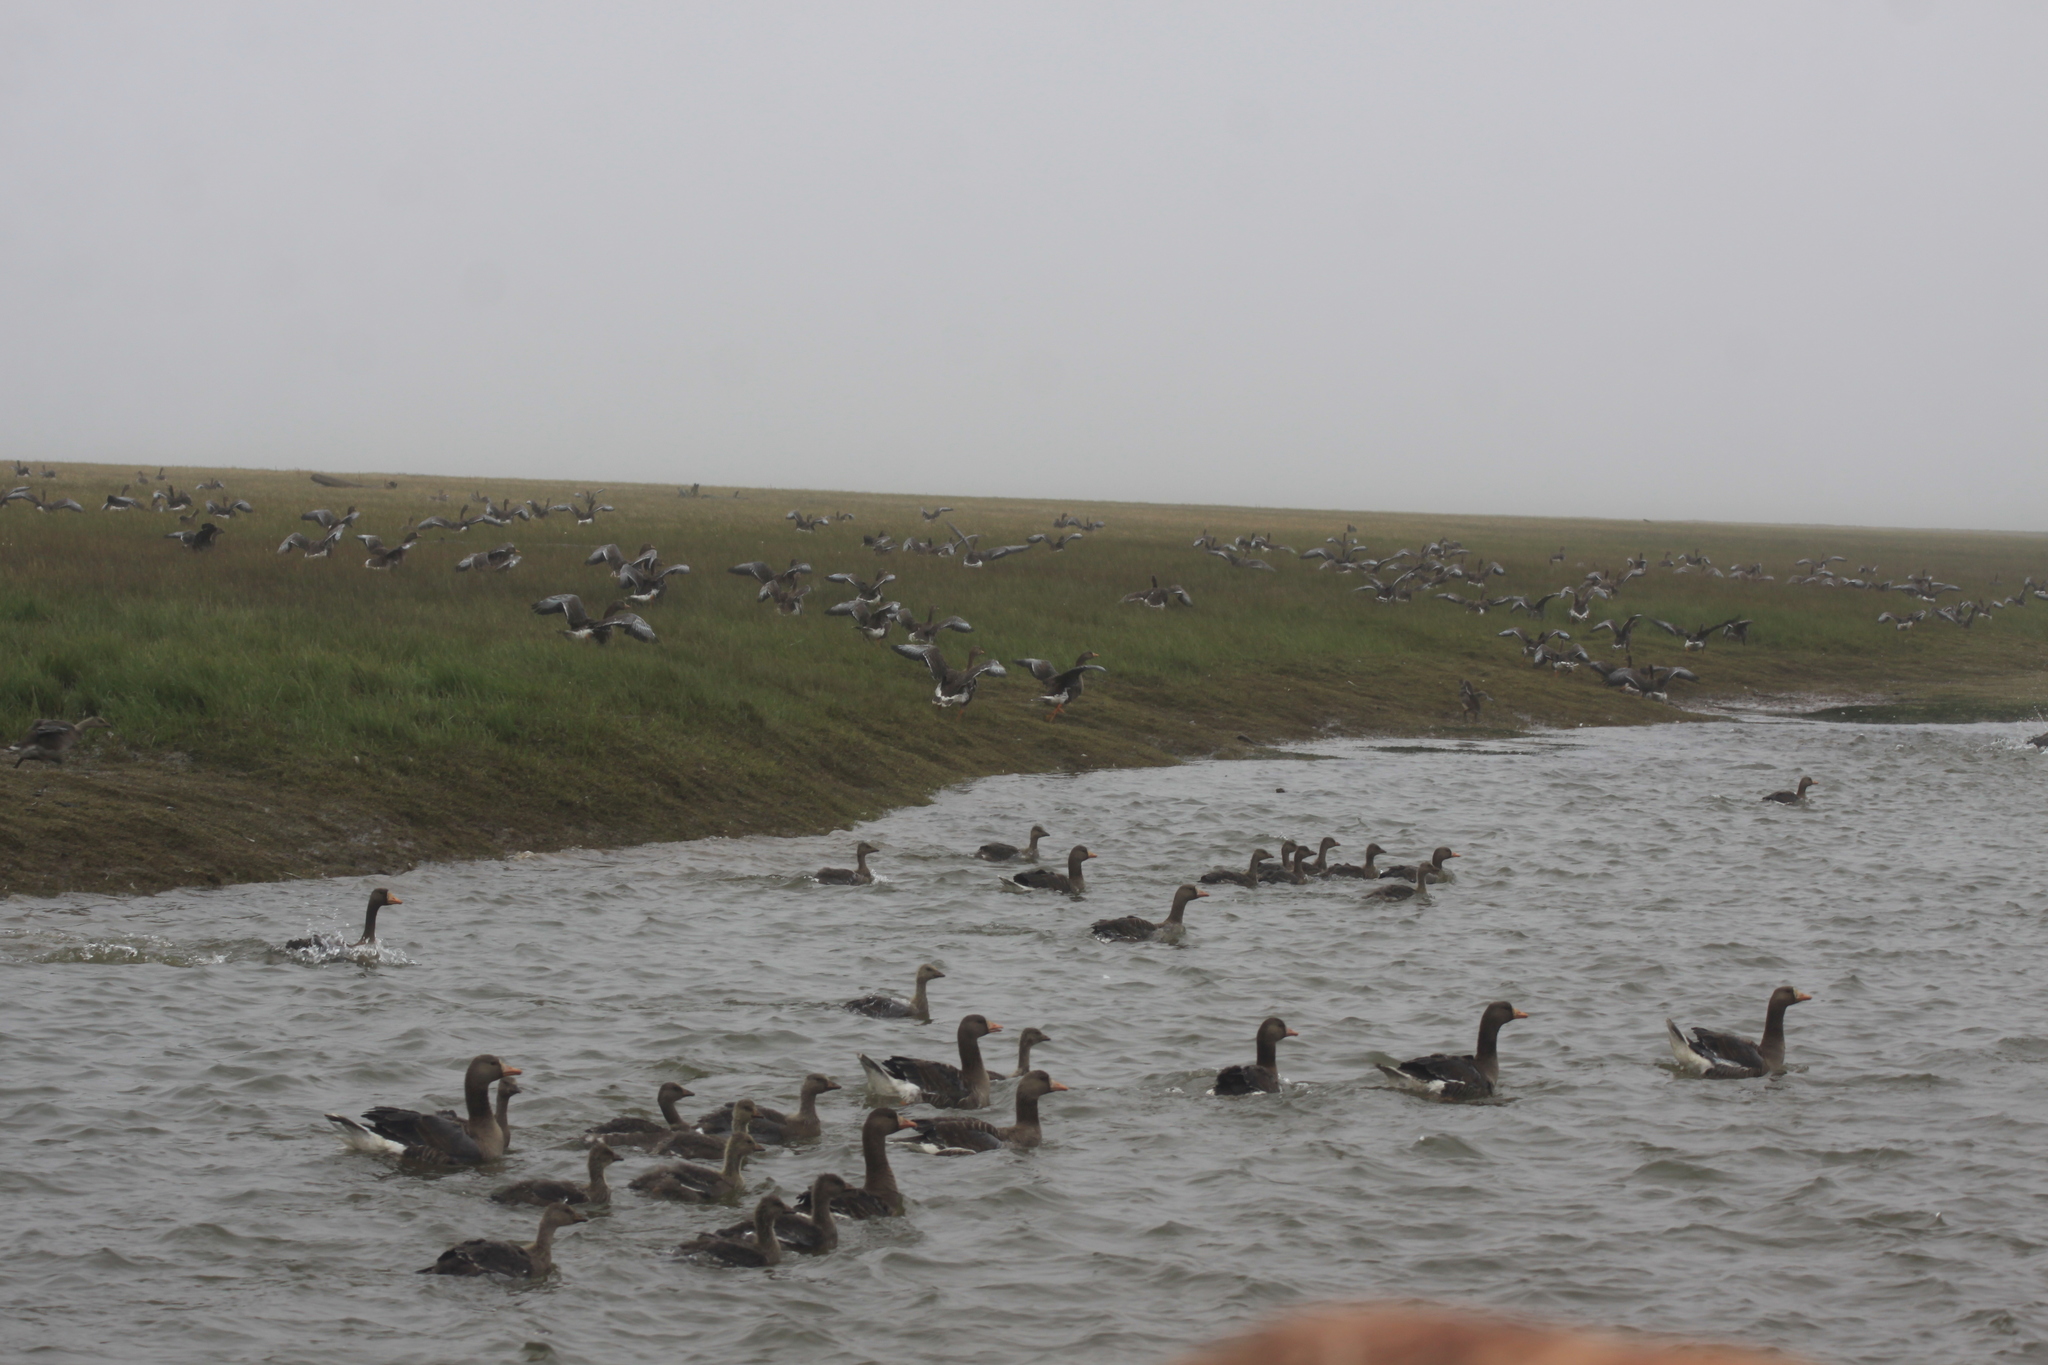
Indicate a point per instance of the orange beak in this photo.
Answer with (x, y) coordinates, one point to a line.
(902, 1123)
(1092, 855)
(1801, 995)
(995, 1028)
(1521, 1014)
(1201, 895)
(1057, 1086)
(513, 1071)
(1293, 1033)
(1457, 855)
(393, 900)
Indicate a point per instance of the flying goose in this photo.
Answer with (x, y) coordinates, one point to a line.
(771, 581)
(47, 741)
(927, 631)
(505, 557)
(195, 540)
(581, 627)
(955, 686)
(1062, 685)
(1157, 597)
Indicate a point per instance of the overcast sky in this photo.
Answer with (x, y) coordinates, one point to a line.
(1753, 261)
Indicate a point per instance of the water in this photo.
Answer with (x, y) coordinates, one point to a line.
(174, 1195)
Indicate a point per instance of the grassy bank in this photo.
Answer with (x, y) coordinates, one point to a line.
(281, 716)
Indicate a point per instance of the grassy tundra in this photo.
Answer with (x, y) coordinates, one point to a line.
(281, 716)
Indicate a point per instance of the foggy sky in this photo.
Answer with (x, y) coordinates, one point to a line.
(1750, 261)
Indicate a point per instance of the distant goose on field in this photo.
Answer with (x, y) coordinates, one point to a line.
(116, 502)
(857, 875)
(912, 1080)
(1003, 853)
(1054, 543)
(889, 1007)
(1728, 1056)
(47, 741)
(1218, 876)
(927, 631)
(1137, 929)
(1793, 798)
(1262, 1075)
(582, 627)
(505, 557)
(1159, 598)
(933, 513)
(201, 538)
(379, 898)
(770, 580)
(438, 1138)
(1444, 1076)
(968, 1135)
(315, 549)
(327, 520)
(1072, 881)
(954, 686)
(630, 1130)
(1366, 869)
(544, 1192)
(384, 556)
(520, 1261)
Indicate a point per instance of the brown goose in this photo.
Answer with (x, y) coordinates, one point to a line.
(857, 875)
(564, 1191)
(1284, 871)
(774, 1126)
(1003, 853)
(814, 1233)
(630, 1130)
(436, 1139)
(1219, 876)
(952, 686)
(1030, 1038)
(1045, 879)
(1264, 1074)
(1321, 866)
(1293, 869)
(1387, 891)
(911, 1080)
(1727, 1056)
(688, 1183)
(521, 1261)
(47, 741)
(889, 1007)
(960, 1135)
(1791, 798)
(763, 1248)
(331, 943)
(1062, 686)
(1365, 869)
(1443, 1076)
(1435, 867)
(878, 1197)
(507, 1088)
(1137, 929)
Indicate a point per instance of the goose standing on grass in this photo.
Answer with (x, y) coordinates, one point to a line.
(1072, 882)
(47, 741)
(546, 1192)
(1220, 876)
(774, 1126)
(1365, 870)
(1262, 1075)
(857, 875)
(1003, 853)
(520, 1261)
(889, 1007)
(334, 943)
(952, 1136)
(630, 1130)
(762, 1248)
(1793, 798)
(912, 1080)
(813, 1233)
(688, 1183)
(1030, 1038)
(1137, 929)
(953, 686)
(878, 1197)
(1434, 867)
(436, 1139)
(1443, 1076)
(1727, 1056)
(1062, 686)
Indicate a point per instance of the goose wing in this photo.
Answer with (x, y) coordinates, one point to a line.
(928, 655)
(1042, 669)
(939, 1080)
(1442, 1073)
(1127, 929)
(753, 568)
(1730, 1050)
(479, 1256)
(568, 604)
(957, 1135)
(424, 1134)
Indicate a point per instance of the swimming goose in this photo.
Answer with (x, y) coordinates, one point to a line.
(1263, 1074)
(1027, 1040)
(1217, 876)
(1459, 1078)
(954, 686)
(508, 1086)
(1321, 866)
(331, 943)
(1045, 879)
(582, 626)
(878, 1196)
(630, 1130)
(912, 1080)
(1728, 1056)
(564, 1191)
(439, 1138)
(1062, 685)
(763, 1248)
(964, 1135)
(1292, 855)
(1434, 867)
(47, 741)
(812, 1234)
(889, 1007)
(1385, 890)
(688, 1183)
(772, 1125)
(857, 875)
(1364, 869)
(528, 1261)
(1791, 798)
(1137, 929)
(1003, 853)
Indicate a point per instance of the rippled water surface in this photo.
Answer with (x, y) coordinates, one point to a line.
(174, 1195)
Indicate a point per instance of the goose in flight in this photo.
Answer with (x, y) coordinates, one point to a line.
(582, 627)
(200, 539)
(771, 582)
(1062, 685)
(47, 741)
(954, 686)
(1158, 598)
(505, 557)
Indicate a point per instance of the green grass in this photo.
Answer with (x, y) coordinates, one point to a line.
(278, 715)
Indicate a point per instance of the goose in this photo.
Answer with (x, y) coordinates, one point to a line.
(770, 580)
(630, 1130)
(1473, 1077)
(1386, 891)
(201, 538)
(1072, 882)
(583, 627)
(878, 1196)
(1030, 1038)
(1321, 866)
(951, 1136)
(1263, 1074)
(325, 519)
(331, 943)
(384, 556)
(1003, 853)
(772, 1125)
(2040, 741)
(812, 1234)
(688, 1183)
(116, 502)
(521, 1261)
(544, 1192)
(508, 1086)
(1364, 869)
(47, 741)
(954, 686)
(504, 557)
(1727, 1056)
(1218, 876)
(1158, 598)
(440, 1138)
(1136, 929)
(927, 631)
(1434, 867)
(315, 549)
(1289, 868)
(1062, 686)
(857, 875)
(1791, 798)
(763, 1248)
(889, 1007)
(911, 1080)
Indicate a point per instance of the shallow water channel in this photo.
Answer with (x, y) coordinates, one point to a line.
(173, 1194)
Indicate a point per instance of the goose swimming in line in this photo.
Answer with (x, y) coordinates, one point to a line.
(1793, 798)
(813, 1233)
(1030, 1038)
(1365, 870)
(912, 1080)
(857, 875)
(1218, 876)
(439, 1138)
(1003, 853)
(878, 1197)
(688, 1183)
(333, 943)
(889, 1007)
(761, 1249)
(630, 1130)
(1448, 1077)
(1137, 929)
(1434, 867)
(546, 1192)
(528, 1261)
(1262, 1075)
(1727, 1056)
(772, 1125)
(1072, 882)
(953, 1136)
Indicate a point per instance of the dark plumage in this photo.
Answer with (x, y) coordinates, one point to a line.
(812, 1234)
(772, 1125)
(958, 1135)
(1072, 882)
(688, 1183)
(596, 1191)
(1793, 798)
(878, 1197)
(1136, 929)
(379, 898)
(1003, 853)
(889, 1007)
(438, 1139)
(530, 1261)
(913, 1080)
(1444, 1076)
(857, 875)
(1220, 876)
(630, 1130)
(1263, 1074)
(1728, 1056)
